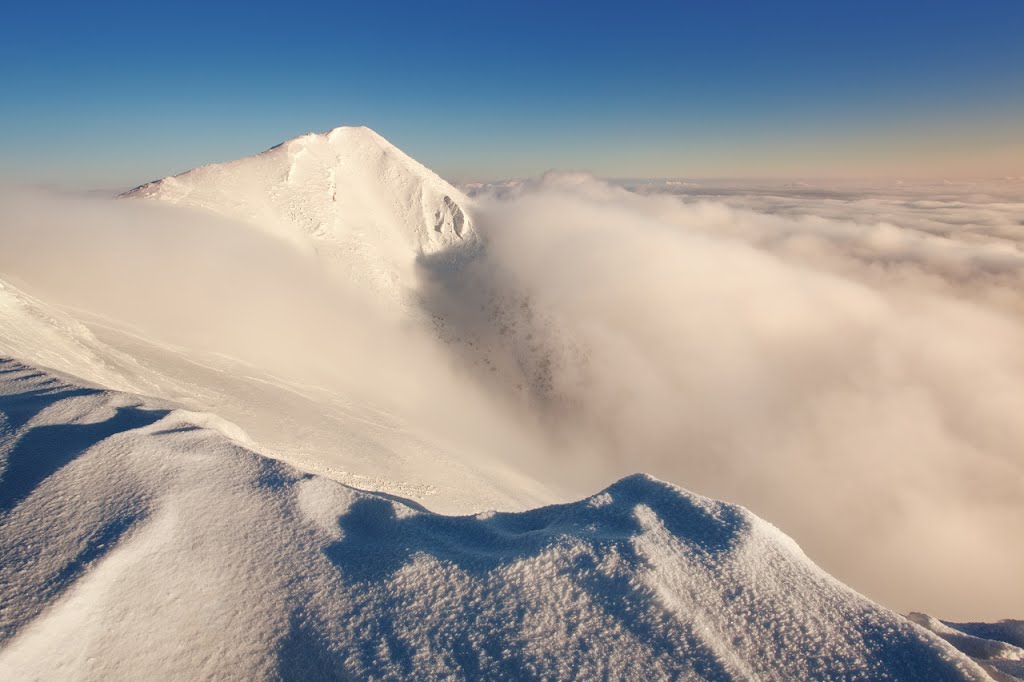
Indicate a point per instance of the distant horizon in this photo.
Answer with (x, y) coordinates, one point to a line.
(746, 181)
(117, 94)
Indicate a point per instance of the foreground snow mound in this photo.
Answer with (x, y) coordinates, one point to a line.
(348, 194)
(138, 540)
(996, 647)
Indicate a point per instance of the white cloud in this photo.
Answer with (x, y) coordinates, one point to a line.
(856, 380)
(848, 363)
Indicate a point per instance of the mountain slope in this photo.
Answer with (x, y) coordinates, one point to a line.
(315, 427)
(137, 539)
(38, 333)
(349, 194)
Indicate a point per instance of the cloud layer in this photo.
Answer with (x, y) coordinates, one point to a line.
(847, 363)
(852, 370)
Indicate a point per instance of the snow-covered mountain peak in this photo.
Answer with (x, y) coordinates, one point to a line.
(345, 140)
(358, 134)
(348, 194)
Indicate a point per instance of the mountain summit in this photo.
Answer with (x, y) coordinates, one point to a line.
(348, 194)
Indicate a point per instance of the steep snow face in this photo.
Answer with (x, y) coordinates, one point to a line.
(36, 332)
(139, 540)
(349, 194)
(31, 330)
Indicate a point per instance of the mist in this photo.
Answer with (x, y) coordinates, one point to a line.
(859, 385)
(856, 382)
(233, 300)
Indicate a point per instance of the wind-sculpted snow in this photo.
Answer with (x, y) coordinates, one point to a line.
(36, 332)
(138, 540)
(997, 647)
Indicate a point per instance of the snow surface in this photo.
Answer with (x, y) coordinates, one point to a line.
(996, 647)
(141, 540)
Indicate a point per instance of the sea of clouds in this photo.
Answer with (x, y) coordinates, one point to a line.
(847, 361)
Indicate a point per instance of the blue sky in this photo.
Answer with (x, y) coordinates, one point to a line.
(111, 94)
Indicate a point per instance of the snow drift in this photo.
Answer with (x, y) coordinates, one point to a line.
(997, 647)
(138, 539)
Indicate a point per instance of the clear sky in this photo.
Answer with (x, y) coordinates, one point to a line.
(111, 94)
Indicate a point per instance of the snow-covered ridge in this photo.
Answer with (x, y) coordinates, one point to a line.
(36, 332)
(348, 194)
(996, 647)
(138, 539)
